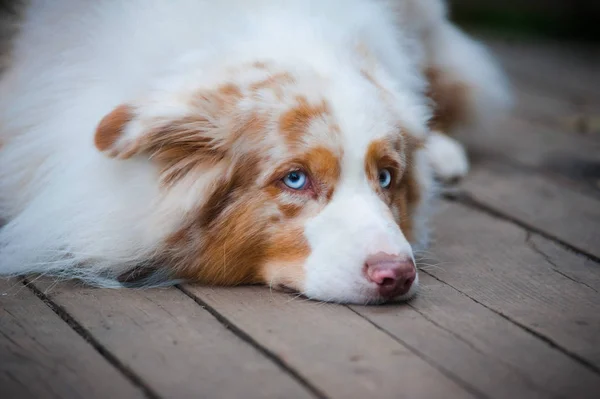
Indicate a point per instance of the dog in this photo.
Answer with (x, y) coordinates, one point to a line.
(296, 143)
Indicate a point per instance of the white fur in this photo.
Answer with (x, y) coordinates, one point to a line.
(448, 157)
(73, 211)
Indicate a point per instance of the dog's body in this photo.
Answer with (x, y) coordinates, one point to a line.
(236, 141)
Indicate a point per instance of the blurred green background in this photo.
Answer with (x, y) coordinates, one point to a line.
(557, 19)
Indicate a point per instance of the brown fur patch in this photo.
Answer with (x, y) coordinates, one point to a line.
(295, 122)
(111, 127)
(290, 211)
(244, 232)
(290, 248)
(407, 195)
(326, 168)
(191, 142)
(181, 146)
(396, 153)
(234, 235)
(385, 153)
(244, 225)
(288, 245)
(451, 101)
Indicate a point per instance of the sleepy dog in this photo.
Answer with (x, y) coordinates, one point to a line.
(291, 143)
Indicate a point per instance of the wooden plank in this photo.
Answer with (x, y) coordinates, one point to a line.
(539, 202)
(579, 117)
(177, 347)
(524, 165)
(42, 357)
(552, 81)
(576, 267)
(477, 345)
(340, 352)
(567, 70)
(535, 146)
(555, 85)
(494, 263)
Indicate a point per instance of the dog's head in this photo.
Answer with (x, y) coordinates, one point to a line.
(291, 179)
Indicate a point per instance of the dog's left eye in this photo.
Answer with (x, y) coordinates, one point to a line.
(385, 178)
(296, 180)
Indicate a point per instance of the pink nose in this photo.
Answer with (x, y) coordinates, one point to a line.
(393, 274)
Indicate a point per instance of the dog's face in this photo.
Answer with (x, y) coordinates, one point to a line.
(288, 179)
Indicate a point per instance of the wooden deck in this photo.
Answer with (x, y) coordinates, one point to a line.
(510, 305)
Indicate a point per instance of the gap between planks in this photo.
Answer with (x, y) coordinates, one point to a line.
(248, 339)
(89, 338)
(241, 334)
(469, 201)
(526, 328)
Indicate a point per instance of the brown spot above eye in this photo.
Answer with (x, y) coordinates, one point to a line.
(324, 164)
(383, 151)
(295, 122)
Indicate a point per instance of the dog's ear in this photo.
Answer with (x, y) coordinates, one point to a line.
(204, 125)
(124, 133)
(111, 135)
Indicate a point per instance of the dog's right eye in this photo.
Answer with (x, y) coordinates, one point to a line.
(296, 180)
(385, 178)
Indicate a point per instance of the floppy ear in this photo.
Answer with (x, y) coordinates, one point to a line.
(124, 133)
(202, 128)
(111, 137)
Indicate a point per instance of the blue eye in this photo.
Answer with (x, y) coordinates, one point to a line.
(385, 178)
(295, 180)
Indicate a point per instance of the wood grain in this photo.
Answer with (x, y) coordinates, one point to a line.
(177, 347)
(494, 263)
(330, 345)
(482, 348)
(546, 150)
(563, 70)
(538, 167)
(558, 211)
(42, 357)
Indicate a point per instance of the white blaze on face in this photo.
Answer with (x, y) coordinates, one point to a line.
(354, 226)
